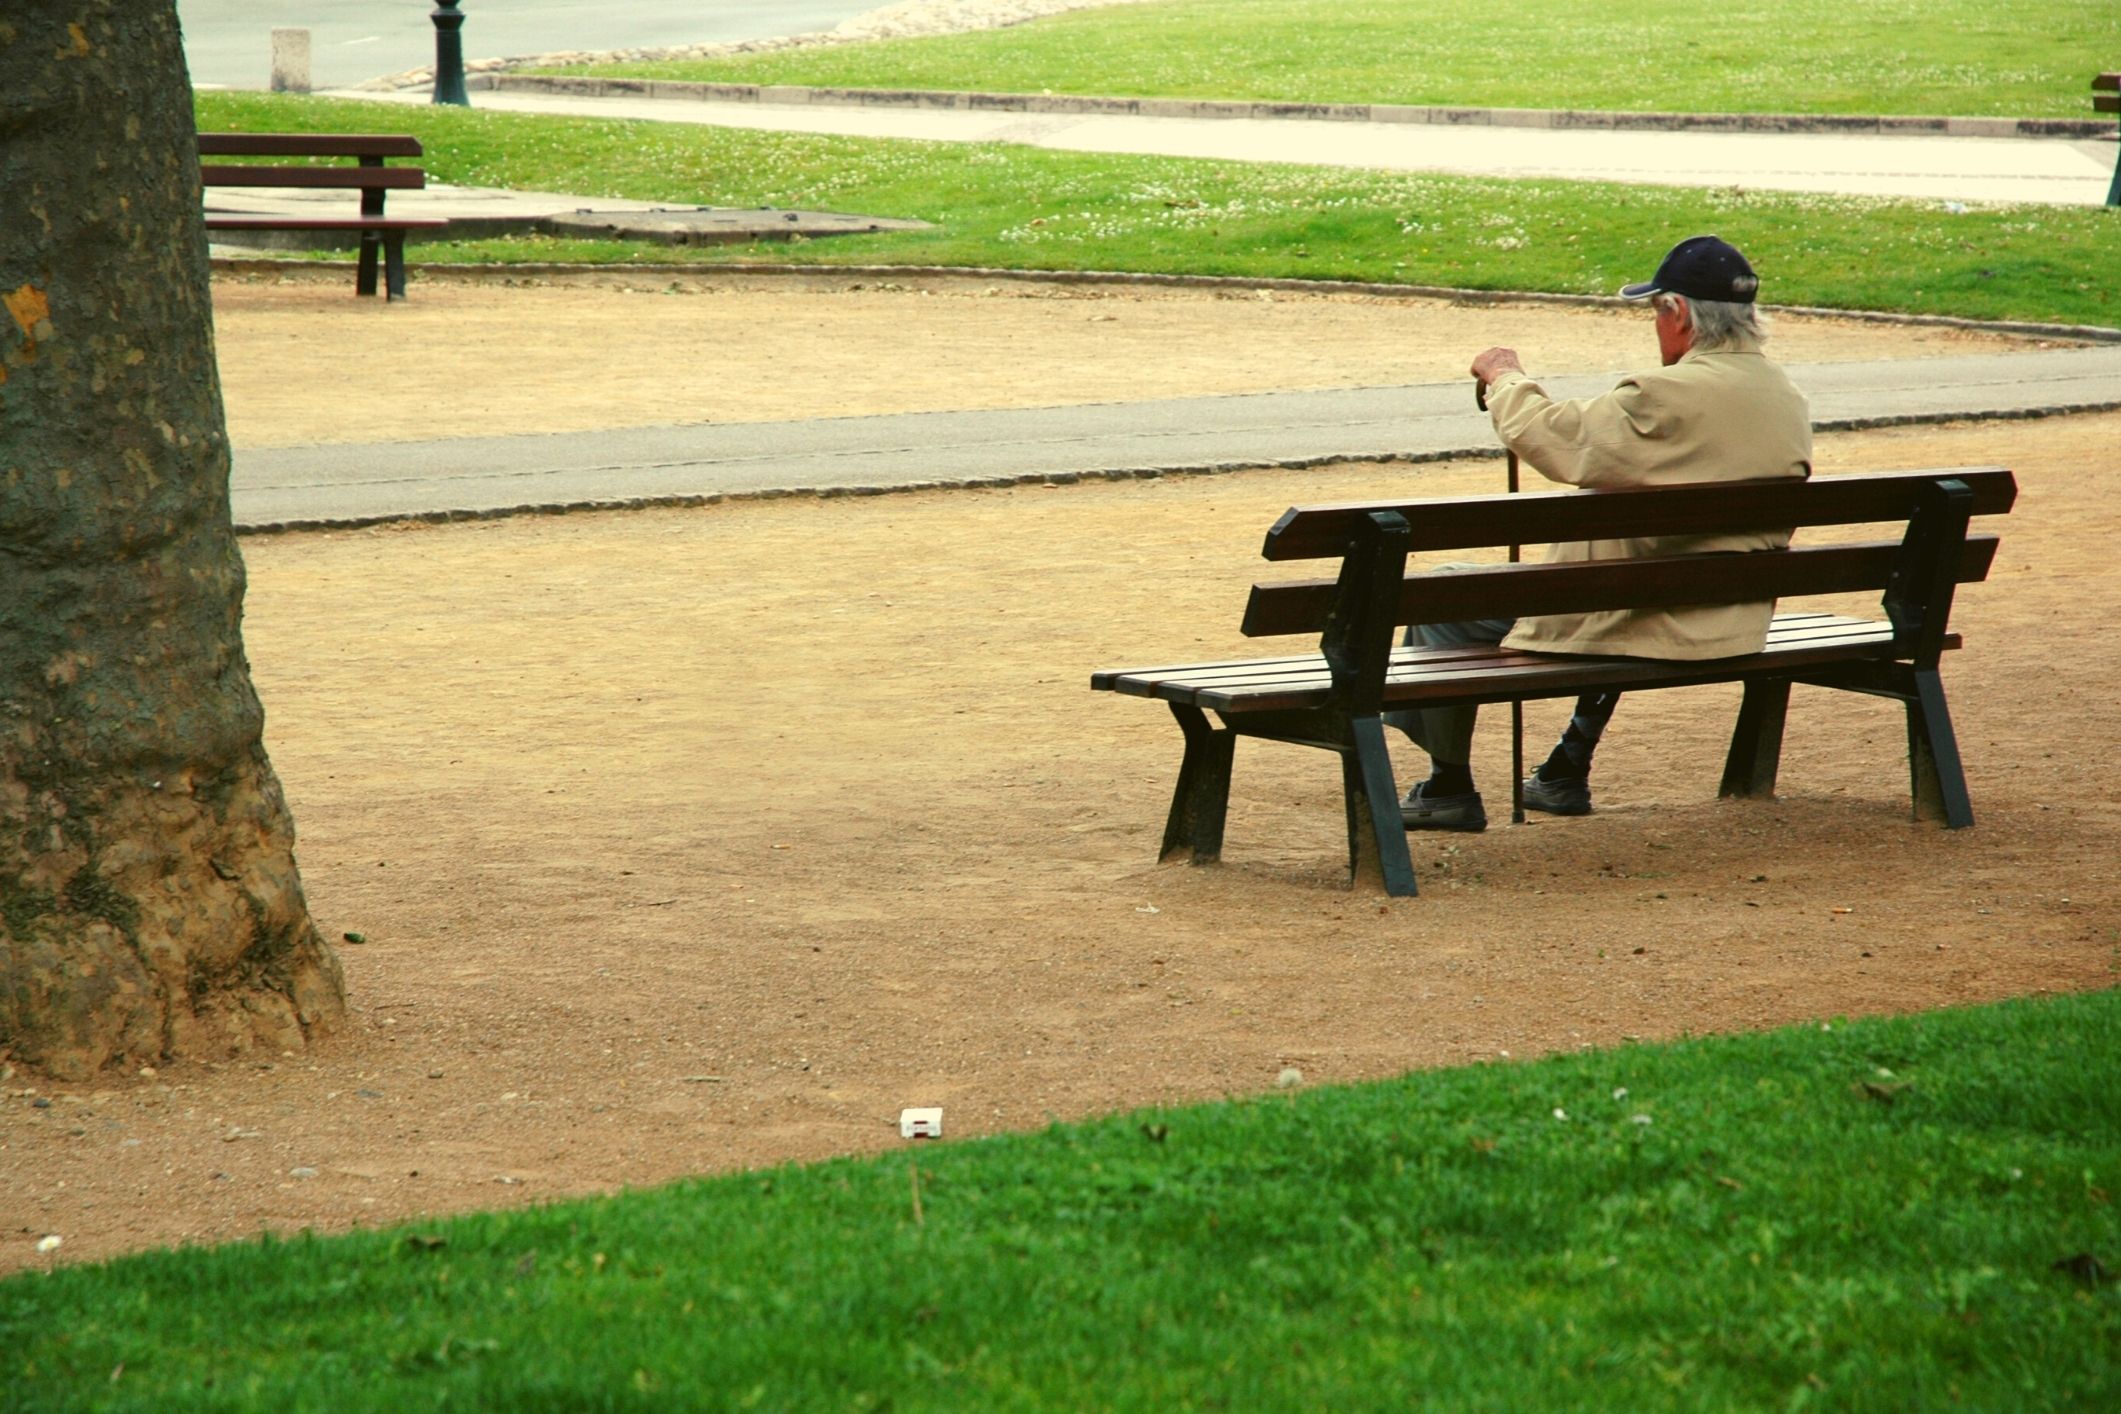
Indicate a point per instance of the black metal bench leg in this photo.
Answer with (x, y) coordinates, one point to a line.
(365, 271)
(1377, 839)
(1756, 742)
(1938, 781)
(1202, 798)
(394, 265)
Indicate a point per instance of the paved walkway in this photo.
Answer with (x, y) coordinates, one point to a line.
(857, 455)
(1941, 167)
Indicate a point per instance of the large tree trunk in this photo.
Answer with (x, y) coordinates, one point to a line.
(149, 902)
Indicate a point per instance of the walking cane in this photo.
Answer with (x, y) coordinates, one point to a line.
(1480, 397)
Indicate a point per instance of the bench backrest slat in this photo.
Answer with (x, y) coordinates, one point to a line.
(320, 178)
(1469, 522)
(308, 145)
(1518, 591)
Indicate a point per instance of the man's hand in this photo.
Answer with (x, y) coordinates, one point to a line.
(1495, 362)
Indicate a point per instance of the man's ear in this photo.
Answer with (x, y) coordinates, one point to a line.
(1675, 328)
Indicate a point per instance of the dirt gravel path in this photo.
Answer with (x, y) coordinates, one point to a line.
(688, 840)
(304, 363)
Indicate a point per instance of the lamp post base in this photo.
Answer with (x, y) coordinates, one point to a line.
(449, 55)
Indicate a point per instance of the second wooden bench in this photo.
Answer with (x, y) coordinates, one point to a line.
(378, 233)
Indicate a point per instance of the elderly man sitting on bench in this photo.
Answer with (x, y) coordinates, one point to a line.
(1717, 410)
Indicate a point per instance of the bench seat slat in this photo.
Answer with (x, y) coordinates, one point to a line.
(1789, 631)
(1304, 674)
(1235, 667)
(231, 221)
(1482, 672)
(1509, 676)
(1142, 682)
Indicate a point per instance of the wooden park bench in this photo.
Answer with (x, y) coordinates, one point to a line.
(370, 177)
(2106, 98)
(1333, 698)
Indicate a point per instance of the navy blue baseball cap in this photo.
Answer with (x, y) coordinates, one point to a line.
(1701, 267)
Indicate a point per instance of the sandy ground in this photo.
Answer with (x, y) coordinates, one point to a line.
(688, 840)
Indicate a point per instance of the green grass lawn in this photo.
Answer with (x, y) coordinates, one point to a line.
(996, 205)
(2020, 58)
(1882, 1214)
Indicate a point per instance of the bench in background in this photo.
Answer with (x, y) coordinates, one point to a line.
(369, 176)
(1334, 698)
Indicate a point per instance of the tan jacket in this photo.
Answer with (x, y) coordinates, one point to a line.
(1729, 415)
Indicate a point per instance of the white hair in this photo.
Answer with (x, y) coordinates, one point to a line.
(1717, 323)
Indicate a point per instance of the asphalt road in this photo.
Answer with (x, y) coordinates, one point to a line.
(228, 43)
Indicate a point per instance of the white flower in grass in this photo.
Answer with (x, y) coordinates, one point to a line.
(1638, 1119)
(1561, 1114)
(1620, 1092)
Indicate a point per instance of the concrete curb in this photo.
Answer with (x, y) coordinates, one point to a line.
(764, 270)
(795, 95)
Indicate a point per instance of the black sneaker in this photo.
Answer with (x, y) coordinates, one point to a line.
(1563, 797)
(1421, 811)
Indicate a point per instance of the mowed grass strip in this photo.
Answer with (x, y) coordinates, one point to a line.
(998, 205)
(1914, 1212)
(2029, 58)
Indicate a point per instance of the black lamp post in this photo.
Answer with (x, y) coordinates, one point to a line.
(449, 54)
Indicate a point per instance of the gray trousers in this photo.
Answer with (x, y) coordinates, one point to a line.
(1446, 733)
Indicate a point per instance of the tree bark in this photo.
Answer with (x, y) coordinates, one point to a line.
(149, 900)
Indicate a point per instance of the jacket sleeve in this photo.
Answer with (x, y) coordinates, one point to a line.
(1602, 441)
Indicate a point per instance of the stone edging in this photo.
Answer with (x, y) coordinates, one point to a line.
(797, 95)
